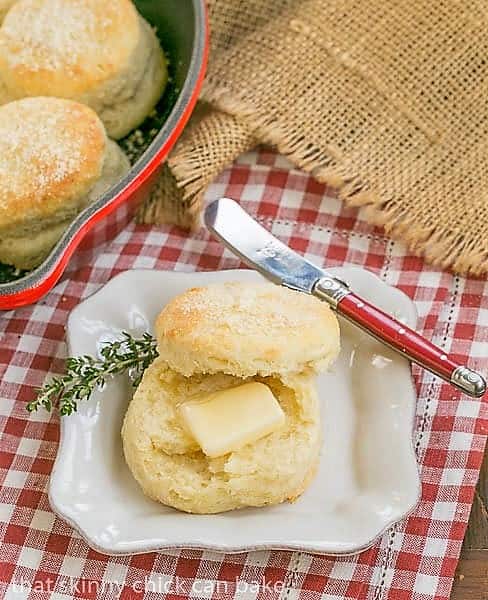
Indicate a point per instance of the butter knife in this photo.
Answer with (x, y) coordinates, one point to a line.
(237, 230)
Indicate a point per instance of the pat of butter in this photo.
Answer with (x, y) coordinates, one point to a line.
(225, 421)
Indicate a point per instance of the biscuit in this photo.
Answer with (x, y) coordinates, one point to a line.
(247, 329)
(4, 7)
(211, 339)
(55, 159)
(103, 54)
(170, 467)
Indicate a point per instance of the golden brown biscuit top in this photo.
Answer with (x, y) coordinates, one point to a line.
(51, 153)
(66, 47)
(245, 329)
(4, 6)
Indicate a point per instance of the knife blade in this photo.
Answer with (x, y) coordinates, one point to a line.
(259, 249)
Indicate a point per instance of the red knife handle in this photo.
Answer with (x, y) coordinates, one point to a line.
(398, 336)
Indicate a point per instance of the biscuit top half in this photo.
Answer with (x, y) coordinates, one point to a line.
(247, 329)
(66, 46)
(51, 154)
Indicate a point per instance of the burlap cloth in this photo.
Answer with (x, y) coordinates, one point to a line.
(386, 101)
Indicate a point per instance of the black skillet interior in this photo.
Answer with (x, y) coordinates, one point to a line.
(175, 25)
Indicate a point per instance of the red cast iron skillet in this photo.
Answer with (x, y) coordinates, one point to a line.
(182, 27)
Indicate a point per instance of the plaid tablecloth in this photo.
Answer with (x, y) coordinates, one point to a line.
(42, 557)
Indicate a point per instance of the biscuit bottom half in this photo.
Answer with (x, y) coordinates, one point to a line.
(170, 467)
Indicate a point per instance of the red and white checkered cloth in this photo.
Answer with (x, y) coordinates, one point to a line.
(42, 557)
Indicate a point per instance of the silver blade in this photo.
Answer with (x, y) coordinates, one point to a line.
(237, 230)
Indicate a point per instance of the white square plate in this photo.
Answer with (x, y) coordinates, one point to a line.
(368, 475)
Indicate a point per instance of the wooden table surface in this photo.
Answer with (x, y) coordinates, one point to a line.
(471, 582)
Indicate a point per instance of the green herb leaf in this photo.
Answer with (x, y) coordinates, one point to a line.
(85, 374)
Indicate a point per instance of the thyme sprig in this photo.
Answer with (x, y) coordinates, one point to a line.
(85, 374)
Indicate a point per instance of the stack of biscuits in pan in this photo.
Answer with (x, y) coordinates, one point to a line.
(74, 75)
